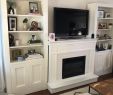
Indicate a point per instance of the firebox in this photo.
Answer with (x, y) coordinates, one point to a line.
(73, 66)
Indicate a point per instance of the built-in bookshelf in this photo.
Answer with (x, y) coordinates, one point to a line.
(25, 48)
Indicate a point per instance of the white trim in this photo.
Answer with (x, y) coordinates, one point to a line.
(5, 44)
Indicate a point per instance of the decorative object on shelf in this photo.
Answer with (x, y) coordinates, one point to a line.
(11, 9)
(99, 47)
(12, 23)
(17, 42)
(31, 51)
(11, 40)
(105, 46)
(109, 46)
(106, 36)
(33, 40)
(16, 53)
(102, 26)
(92, 36)
(34, 26)
(100, 13)
(33, 7)
(107, 15)
(110, 25)
(25, 24)
(20, 58)
(51, 37)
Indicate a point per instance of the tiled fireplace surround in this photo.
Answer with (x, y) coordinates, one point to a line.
(68, 49)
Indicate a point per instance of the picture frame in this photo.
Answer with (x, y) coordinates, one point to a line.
(52, 37)
(12, 23)
(107, 15)
(34, 7)
(100, 14)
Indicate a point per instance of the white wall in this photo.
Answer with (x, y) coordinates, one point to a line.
(80, 4)
(1, 63)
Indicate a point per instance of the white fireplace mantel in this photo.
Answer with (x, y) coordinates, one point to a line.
(66, 49)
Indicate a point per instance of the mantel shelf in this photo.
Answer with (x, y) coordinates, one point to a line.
(28, 15)
(26, 46)
(25, 31)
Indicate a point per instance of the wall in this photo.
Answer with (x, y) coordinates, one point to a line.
(81, 4)
(1, 63)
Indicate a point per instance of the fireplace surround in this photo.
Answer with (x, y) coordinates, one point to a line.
(64, 56)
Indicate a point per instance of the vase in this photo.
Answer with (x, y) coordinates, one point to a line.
(25, 26)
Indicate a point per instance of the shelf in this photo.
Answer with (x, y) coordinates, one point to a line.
(104, 40)
(25, 61)
(26, 46)
(107, 50)
(25, 31)
(105, 18)
(103, 29)
(28, 15)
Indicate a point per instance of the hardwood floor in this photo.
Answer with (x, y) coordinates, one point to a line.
(46, 92)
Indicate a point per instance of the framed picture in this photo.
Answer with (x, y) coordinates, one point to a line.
(12, 23)
(107, 15)
(52, 37)
(100, 14)
(34, 7)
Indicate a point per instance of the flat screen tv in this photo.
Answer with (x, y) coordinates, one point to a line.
(70, 23)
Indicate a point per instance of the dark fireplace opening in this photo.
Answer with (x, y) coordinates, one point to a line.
(73, 66)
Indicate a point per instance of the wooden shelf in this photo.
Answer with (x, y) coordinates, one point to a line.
(25, 61)
(105, 18)
(104, 40)
(107, 50)
(28, 15)
(26, 46)
(25, 31)
(103, 29)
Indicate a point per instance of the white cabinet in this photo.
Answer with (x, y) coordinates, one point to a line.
(19, 78)
(103, 62)
(28, 76)
(36, 76)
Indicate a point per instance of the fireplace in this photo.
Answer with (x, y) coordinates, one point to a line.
(73, 67)
(71, 64)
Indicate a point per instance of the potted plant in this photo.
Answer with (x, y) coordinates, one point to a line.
(25, 24)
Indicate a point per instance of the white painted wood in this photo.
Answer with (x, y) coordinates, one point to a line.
(103, 59)
(29, 45)
(5, 44)
(37, 75)
(103, 62)
(20, 77)
(26, 76)
(65, 49)
(2, 85)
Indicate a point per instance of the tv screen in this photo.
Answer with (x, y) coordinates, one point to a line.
(70, 22)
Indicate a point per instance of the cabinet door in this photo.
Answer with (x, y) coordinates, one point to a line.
(100, 59)
(19, 77)
(37, 75)
(108, 62)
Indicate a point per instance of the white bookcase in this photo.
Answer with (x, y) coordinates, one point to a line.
(101, 16)
(25, 75)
